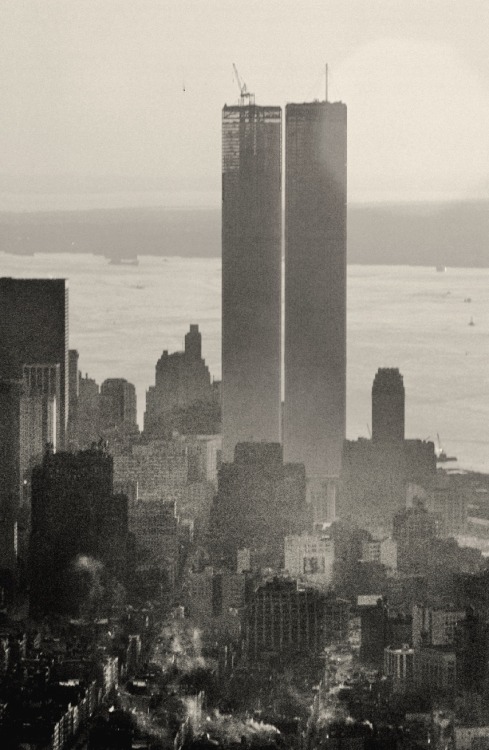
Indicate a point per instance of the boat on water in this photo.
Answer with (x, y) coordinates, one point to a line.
(116, 261)
(441, 269)
(441, 456)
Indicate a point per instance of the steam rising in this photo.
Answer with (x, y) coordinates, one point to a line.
(227, 728)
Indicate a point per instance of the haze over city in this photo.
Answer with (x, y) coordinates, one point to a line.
(116, 103)
(243, 289)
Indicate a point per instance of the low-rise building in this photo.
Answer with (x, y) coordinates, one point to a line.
(286, 620)
(310, 557)
(382, 551)
(399, 666)
(436, 626)
(435, 669)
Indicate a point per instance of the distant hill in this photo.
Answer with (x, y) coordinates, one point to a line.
(450, 234)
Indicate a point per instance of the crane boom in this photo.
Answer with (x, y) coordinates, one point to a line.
(244, 94)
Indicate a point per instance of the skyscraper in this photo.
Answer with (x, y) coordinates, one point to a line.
(74, 513)
(315, 286)
(34, 330)
(118, 404)
(388, 405)
(182, 386)
(251, 274)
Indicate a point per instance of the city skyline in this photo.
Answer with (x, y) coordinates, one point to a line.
(244, 568)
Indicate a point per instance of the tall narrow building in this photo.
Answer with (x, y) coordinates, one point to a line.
(251, 274)
(315, 287)
(388, 406)
(34, 331)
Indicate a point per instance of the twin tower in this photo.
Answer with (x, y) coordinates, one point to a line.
(315, 281)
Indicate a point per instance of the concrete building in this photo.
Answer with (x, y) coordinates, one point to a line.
(382, 551)
(399, 666)
(449, 500)
(414, 529)
(309, 557)
(377, 473)
(315, 286)
(375, 476)
(155, 525)
(388, 406)
(204, 457)
(259, 501)
(182, 382)
(73, 380)
(373, 618)
(44, 382)
(435, 670)
(204, 600)
(436, 626)
(34, 329)
(118, 405)
(79, 530)
(251, 274)
(21, 446)
(85, 429)
(284, 620)
(159, 469)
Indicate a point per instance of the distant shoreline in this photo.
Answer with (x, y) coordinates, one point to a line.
(451, 234)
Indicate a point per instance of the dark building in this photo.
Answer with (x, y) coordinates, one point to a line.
(118, 405)
(73, 387)
(10, 394)
(85, 428)
(79, 531)
(381, 626)
(251, 274)
(44, 382)
(21, 443)
(260, 500)
(34, 330)
(284, 621)
(375, 473)
(182, 397)
(373, 632)
(388, 406)
(315, 286)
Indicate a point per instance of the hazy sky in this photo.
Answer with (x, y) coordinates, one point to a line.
(126, 95)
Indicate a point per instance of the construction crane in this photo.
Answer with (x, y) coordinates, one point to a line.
(244, 95)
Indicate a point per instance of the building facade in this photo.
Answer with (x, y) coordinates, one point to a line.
(284, 620)
(310, 557)
(182, 383)
(251, 274)
(388, 406)
(79, 530)
(315, 286)
(34, 330)
(399, 666)
(259, 501)
(118, 405)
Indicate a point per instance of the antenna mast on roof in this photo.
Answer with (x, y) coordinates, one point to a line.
(244, 95)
